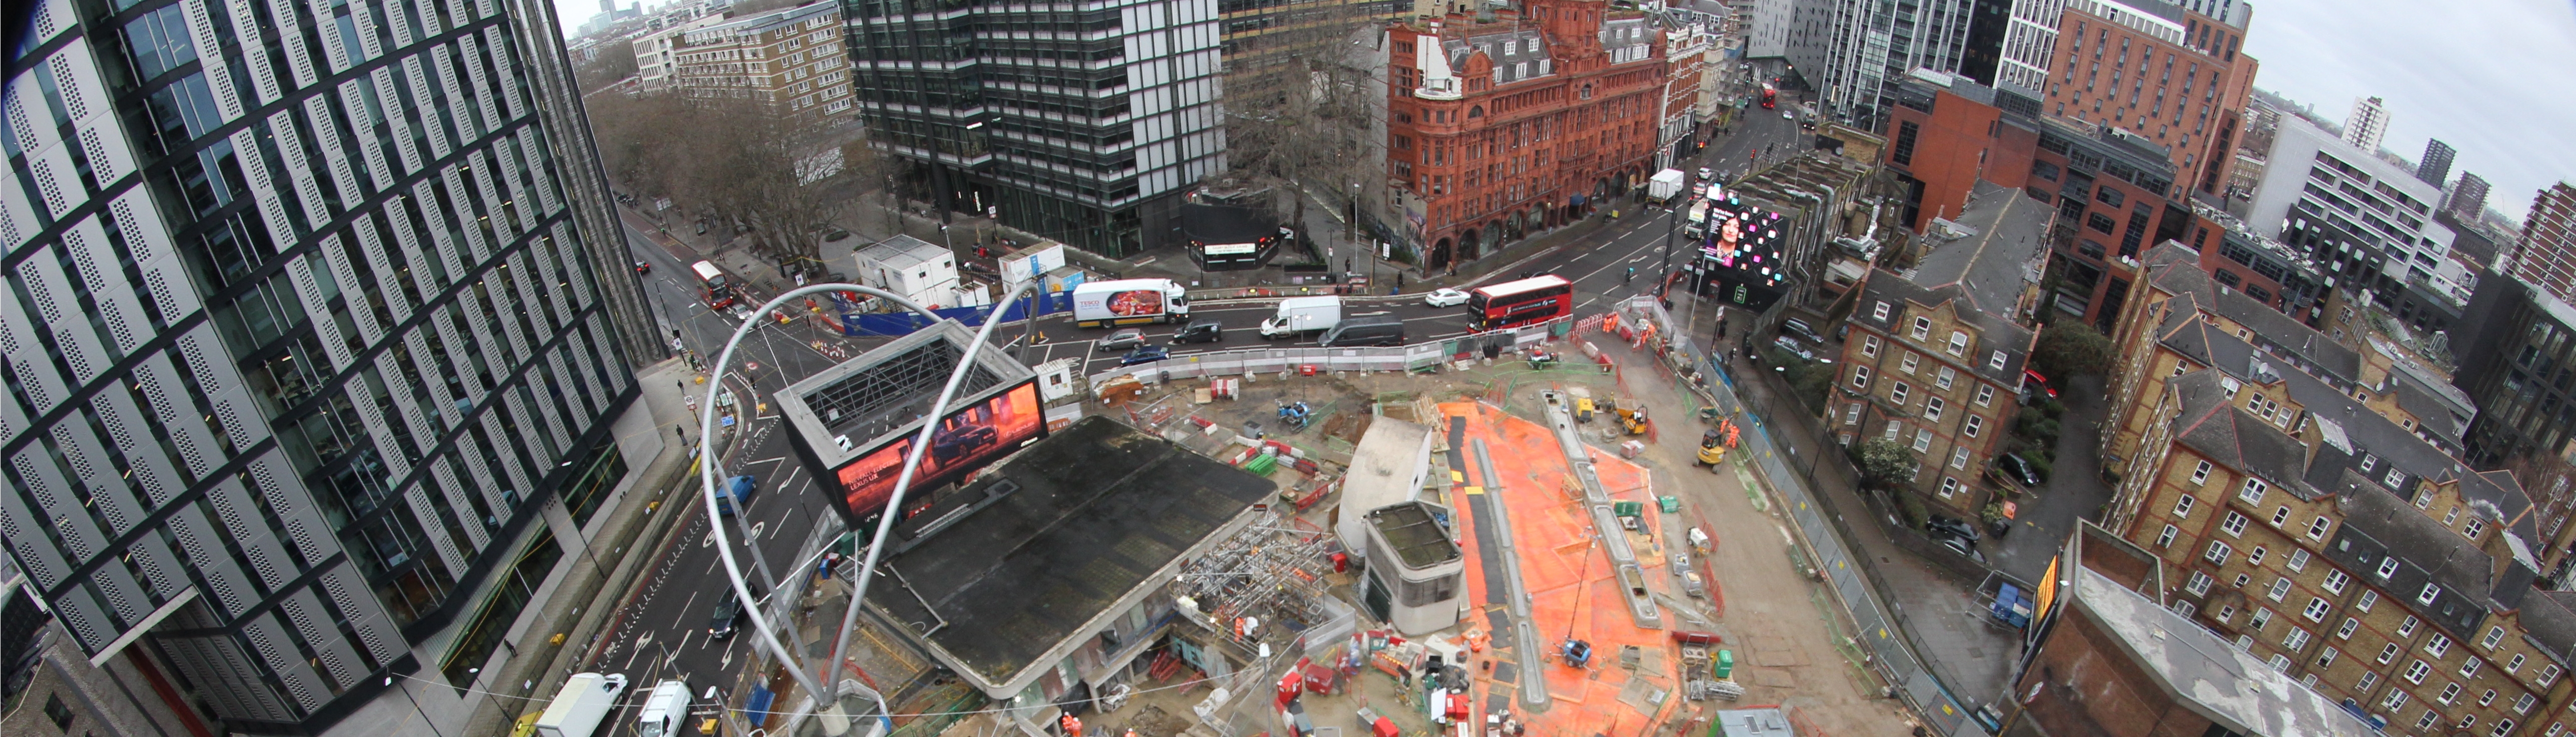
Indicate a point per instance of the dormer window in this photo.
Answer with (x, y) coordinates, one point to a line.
(1922, 328)
(1958, 343)
(1997, 362)
(1878, 313)
(2388, 567)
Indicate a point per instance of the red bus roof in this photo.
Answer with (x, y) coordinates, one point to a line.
(1509, 288)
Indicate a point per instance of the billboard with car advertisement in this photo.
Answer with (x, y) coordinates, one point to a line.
(966, 440)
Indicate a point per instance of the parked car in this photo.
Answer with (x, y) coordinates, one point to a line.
(1445, 297)
(1962, 547)
(2018, 470)
(1145, 354)
(1800, 328)
(1120, 340)
(1943, 525)
(1794, 348)
(1201, 331)
(1706, 173)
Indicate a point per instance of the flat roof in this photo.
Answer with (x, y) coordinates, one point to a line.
(1067, 529)
(2205, 673)
(1414, 534)
(902, 252)
(885, 391)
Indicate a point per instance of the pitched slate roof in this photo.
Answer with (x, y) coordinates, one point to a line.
(2230, 436)
(2378, 526)
(1995, 331)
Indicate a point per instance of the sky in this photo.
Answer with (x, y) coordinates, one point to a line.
(2489, 77)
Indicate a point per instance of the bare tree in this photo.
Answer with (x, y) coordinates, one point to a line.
(612, 63)
(1298, 103)
(768, 168)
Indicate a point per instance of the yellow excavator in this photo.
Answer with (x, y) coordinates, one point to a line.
(1712, 449)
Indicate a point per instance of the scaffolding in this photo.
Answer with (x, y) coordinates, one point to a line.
(1270, 573)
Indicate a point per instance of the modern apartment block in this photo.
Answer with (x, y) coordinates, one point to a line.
(2468, 196)
(2519, 365)
(2436, 166)
(792, 58)
(1086, 126)
(657, 56)
(2307, 503)
(2367, 125)
(2365, 220)
(1500, 125)
(2546, 255)
(2160, 73)
(316, 333)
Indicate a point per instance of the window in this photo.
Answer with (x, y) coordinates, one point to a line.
(2298, 560)
(2438, 646)
(1958, 458)
(2327, 658)
(2470, 669)
(2407, 628)
(2388, 567)
(2252, 492)
(2261, 617)
(2280, 516)
(2241, 578)
(2350, 625)
(2279, 662)
(1947, 377)
(2295, 640)
(2515, 664)
(1985, 395)
(2450, 693)
(1932, 408)
(1949, 487)
(2548, 673)
(60, 714)
(2167, 537)
(1996, 363)
(2199, 583)
(1892, 428)
(2429, 593)
(2256, 557)
(2474, 527)
(1958, 343)
(2503, 726)
(2217, 553)
(2494, 635)
(2317, 528)
(1922, 327)
(1879, 312)
(1922, 440)
(2336, 580)
(2316, 609)
(1974, 424)
(2233, 524)
(2387, 652)
(2415, 673)
(1869, 346)
(1910, 361)
(2368, 679)
(2182, 507)
(2225, 613)
(1899, 392)
(2280, 588)
(2522, 704)
(2395, 479)
(1851, 414)
(1860, 377)
(2200, 473)
(2486, 698)
(2396, 699)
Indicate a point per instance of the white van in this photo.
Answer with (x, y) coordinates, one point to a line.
(665, 710)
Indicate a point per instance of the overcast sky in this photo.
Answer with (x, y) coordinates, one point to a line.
(2490, 77)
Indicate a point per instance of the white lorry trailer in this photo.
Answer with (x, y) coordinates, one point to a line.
(1102, 304)
(586, 699)
(1666, 185)
(1301, 315)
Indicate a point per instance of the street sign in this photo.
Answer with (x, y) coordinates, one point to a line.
(727, 421)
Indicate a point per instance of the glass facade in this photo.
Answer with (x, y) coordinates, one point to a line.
(1080, 122)
(302, 320)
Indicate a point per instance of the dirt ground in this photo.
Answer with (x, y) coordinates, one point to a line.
(1786, 633)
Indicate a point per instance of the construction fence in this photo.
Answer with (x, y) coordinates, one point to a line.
(1412, 357)
(1887, 648)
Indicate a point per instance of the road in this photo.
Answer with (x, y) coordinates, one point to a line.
(663, 630)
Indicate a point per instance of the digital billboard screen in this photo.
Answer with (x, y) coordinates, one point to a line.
(1743, 259)
(966, 440)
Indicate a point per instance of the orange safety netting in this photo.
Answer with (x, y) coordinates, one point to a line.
(1573, 590)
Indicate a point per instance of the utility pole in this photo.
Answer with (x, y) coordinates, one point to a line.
(1671, 229)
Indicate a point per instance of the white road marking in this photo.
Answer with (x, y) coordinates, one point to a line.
(684, 609)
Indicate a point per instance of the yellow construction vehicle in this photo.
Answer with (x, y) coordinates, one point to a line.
(1712, 449)
(1632, 416)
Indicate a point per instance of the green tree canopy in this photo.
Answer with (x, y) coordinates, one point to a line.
(2071, 349)
(1883, 463)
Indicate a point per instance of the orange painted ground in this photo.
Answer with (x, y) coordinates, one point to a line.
(1572, 588)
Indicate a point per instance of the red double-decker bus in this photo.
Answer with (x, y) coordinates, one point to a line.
(1517, 303)
(1770, 97)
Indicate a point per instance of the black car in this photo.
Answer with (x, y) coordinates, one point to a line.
(1145, 354)
(728, 612)
(1943, 525)
(1799, 328)
(957, 442)
(1201, 331)
(2018, 470)
(1962, 547)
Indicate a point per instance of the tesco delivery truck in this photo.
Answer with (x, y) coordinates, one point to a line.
(586, 699)
(1299, 315)
(1103, 304)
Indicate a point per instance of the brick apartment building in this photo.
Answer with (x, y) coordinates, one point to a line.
(2170, 76)
(1934, 369)
(789, 57)
(2307, 503)
(1510, 121)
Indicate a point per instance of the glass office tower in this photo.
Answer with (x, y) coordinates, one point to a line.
(305, 317)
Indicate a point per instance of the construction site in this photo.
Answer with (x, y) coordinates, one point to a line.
(1498, 548)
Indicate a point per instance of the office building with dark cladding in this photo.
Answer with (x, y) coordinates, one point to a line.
(312, 336)
(1082, 123)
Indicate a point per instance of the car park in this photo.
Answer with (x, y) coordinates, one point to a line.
(1444, 297)
(1121, 340)
(1145, 354)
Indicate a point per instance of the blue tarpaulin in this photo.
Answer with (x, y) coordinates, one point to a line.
(901, 323)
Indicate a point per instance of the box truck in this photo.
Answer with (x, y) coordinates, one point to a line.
(1103, 304)
(665, 710)
(1666, 184)
(1298, 315)
(586, 699)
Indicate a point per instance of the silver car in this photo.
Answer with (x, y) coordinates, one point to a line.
(1121, 340)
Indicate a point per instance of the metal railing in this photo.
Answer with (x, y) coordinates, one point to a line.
(1412, 357)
